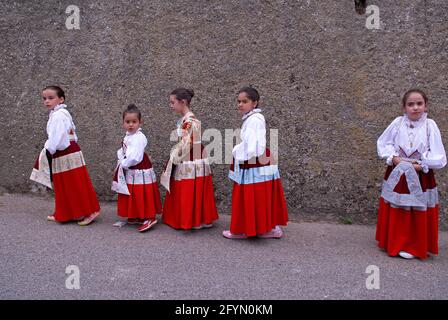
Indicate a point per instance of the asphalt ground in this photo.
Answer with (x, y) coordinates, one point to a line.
(312, 261)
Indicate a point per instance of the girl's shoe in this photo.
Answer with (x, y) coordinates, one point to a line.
(51, 218)
(203, 226)
(135, 221)
(275, 233)
(89, 219)
(405, 255)
(229, 235)
(119, 224)
(147, 224)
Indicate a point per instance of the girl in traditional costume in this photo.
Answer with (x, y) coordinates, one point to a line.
(135, 180)
(409, 206)
(189, 201)
(258, 201)
(61, 165)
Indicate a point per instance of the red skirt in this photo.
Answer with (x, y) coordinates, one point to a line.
(144, 199)
(406, 229)
(191, 200)
(258, 206)
(74, 194)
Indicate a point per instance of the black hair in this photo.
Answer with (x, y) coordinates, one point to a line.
(408, 93)
(132, 108)
(251, 93)
(59, 92)
(183, 94)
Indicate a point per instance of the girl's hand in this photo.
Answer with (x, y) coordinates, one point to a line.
(417, 167)
(396, 160)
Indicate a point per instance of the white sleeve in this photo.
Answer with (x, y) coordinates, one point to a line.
(253, 142)
(134, 151)
(435, 157)
(385, 144)
(58, 138)
(120, 154)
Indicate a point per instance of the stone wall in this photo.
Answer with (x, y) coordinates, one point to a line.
(328, 84)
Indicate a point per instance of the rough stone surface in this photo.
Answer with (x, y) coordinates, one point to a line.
(329, 84)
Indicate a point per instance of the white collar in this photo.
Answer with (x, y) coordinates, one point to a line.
(131, 134)
(58, 107)
(417, 123)
(185, 117)
(253, 111)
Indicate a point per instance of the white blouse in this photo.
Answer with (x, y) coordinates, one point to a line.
(133, 149)
(420, 140)
(59, 126)
(253, 137)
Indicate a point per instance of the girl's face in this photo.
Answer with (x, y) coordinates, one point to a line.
(415, 106)
(51, 99)
(178, 106)
(131, 122)
(245, 105)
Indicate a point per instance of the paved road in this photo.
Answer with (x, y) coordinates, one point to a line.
(312, 261)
